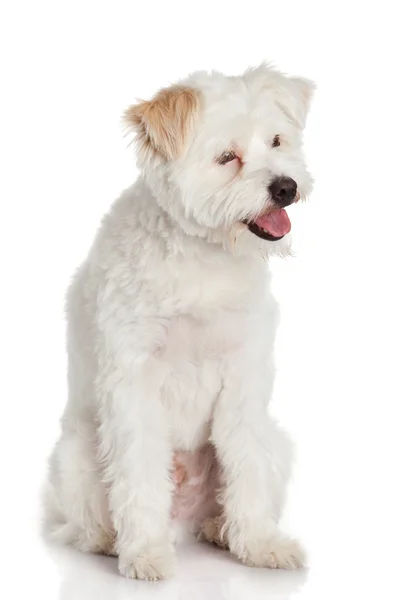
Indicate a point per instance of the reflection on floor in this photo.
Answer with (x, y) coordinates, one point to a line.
(204, 573)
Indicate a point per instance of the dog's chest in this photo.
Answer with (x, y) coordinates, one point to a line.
(213, 282)
(193, 352)
(195, 339)
(214, 301)
(215, 304)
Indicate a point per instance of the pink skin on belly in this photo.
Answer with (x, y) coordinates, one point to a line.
(196, 479)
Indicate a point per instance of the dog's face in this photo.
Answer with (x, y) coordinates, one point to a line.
(224, 154)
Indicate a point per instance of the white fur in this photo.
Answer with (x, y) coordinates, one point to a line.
(170, 335)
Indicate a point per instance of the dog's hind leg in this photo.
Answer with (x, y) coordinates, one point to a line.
(76, 510)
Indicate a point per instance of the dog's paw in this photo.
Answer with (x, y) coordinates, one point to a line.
(212, 530)
(152, 564)
(98, 542)
(277, 552)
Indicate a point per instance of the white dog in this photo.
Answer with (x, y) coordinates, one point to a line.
(170, 334)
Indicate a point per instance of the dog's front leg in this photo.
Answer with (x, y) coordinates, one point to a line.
(255, 458)
(133, 437)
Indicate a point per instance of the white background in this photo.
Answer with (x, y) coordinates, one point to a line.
(69, 69)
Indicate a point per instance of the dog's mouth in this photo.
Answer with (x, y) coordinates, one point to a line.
(271, 226)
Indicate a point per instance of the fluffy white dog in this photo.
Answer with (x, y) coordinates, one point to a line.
(170, 334)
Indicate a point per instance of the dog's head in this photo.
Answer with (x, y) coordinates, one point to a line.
(224, 154)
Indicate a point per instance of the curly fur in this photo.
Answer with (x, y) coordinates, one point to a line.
(171, 326)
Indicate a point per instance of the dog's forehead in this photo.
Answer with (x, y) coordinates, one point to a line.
(237, 100)
(241, 116)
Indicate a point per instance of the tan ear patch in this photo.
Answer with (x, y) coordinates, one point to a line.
(165, 122)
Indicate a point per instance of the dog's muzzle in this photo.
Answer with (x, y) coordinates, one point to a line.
(274, 224)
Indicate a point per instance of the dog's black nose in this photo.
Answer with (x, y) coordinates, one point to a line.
(283, 190)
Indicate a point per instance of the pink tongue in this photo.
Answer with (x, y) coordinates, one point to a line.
(277, 222)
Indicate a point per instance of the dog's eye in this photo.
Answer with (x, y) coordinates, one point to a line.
(276, 141)
(226, 157)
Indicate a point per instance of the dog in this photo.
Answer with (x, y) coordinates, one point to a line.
(171, 324)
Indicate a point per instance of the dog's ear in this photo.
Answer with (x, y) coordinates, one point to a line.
(164, 123)
(295, 99)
